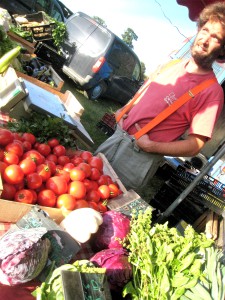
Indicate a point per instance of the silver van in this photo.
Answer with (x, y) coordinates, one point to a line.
(99, 62)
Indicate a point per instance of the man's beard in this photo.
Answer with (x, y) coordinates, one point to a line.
(204, 61)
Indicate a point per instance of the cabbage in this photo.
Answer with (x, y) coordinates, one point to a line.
(112, 231)
(118, 269)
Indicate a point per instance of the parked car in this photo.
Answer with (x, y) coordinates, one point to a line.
(99, 62)
(54, 8)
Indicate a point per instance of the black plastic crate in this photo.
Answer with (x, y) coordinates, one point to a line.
(209, 191)
(38, 23)
(49, 54)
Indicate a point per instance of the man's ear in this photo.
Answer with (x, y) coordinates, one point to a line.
(221, 57)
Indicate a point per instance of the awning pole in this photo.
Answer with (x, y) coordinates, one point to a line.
(191, 186)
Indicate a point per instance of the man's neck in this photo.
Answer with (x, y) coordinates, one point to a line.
(192, 67)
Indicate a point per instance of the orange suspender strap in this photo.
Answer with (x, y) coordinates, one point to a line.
(173, 107)
(129, 105)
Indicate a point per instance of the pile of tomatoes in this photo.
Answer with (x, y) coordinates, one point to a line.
(48, 174)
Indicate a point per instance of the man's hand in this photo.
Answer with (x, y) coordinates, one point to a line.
(122, 119)
(189, 147)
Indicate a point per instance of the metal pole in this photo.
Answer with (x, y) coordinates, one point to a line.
(191, 186)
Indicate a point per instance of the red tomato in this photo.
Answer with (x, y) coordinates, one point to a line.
(6, 137)
(81, 203)
(15, 147)
(77, 174)
(88, 184)
(51, 165)
(17, 136)
(29, 137)
(93, 195)
(3, 166)
(76, 160)
(59, 150)
(44, 149)
(96, 162)
(66, 201)
(104, 191)
(102, 207)
(53, 142)
(28, 166)
(94, 185)
(8, 191)
(37, 157)
(44, 171)
(64, 174)
(77, 189)
(34, 181)
(24, 196)
(86, 155)
(63, 159)
(103, 179)
(57, 184)
(46, 197)
(69, 166)
(1, 154)
(20, 186)
(86, 168)
(114, 190)
(95, 174)
(34, 196)
(27, 146)
(93, 205)
(13, 174)
(11, 158)
(52, 157)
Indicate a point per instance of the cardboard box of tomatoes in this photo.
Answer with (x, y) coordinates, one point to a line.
(11, 211)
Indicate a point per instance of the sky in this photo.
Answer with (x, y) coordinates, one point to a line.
(161, 25)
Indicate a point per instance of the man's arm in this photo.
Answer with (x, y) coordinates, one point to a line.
(188, 147)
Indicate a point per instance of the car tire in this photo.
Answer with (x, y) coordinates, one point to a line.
(95, 92)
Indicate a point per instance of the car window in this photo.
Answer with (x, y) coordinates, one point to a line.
(43, 5)
(56, 14)
(124, 61)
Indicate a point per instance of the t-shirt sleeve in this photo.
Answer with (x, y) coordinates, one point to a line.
(205, 118)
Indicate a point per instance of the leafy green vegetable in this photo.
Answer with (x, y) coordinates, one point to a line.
(165, 263)
(52, 288)
(6, 43)
(44, 127)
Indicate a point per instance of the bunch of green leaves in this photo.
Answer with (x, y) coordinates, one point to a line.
(52, 288)
(6, 44)
(25, 34)
(59, 34)
(44, 127)
(165, 263)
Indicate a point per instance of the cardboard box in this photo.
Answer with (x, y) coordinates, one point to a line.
(11, 211)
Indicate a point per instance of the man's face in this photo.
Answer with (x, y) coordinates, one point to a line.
(208, 44)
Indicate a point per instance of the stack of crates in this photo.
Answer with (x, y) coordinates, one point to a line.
(107, 124)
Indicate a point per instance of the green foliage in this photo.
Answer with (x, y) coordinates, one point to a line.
(165, 263)
(128, 37)
(59, 34)
(6, 43)
(44, 127)
(143, 69)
